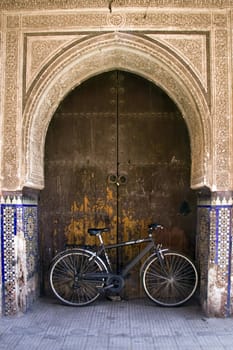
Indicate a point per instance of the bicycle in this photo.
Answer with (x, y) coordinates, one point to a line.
(79, 275)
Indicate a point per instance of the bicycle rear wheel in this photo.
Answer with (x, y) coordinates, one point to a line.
(172, 282)
(69, 277)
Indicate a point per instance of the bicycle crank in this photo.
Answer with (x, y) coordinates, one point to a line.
(115, 283)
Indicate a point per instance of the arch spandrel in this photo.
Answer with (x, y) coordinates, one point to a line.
(107, 52)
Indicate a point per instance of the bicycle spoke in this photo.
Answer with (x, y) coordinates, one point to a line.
(171, 282)
(73, 279)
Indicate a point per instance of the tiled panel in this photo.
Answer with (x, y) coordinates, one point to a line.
(8, 224)
(214, 253)
(17, 218)
(31, 237)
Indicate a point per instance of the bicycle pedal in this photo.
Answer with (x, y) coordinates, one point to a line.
(109, 286)
(114, 297)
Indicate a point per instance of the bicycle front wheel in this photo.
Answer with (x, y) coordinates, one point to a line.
(171, 282)
(69, 281)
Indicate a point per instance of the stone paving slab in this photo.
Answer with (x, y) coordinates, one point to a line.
(130, 325)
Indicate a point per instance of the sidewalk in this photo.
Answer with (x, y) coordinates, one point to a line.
(130, 325)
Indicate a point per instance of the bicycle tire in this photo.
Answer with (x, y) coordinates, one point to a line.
(67, 277)
(172, 283)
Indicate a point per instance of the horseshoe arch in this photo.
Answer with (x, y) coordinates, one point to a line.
(105, 52)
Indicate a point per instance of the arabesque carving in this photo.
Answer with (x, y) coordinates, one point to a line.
(176, 43)
(70, 4)
(223, 113)
(193, 48)
(40, 49)
(153, 20)
(9, 161)
(119, 51)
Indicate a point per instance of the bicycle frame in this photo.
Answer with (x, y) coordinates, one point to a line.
(103, 249)
(78, 276)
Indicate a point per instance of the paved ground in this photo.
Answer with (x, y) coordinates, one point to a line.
(130, 325)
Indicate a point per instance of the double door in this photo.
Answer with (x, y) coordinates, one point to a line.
(117, 155)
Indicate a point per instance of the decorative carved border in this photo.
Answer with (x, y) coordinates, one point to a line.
(74, 4)
(9, 161)
(223, 114)
(130, 20)
(41, 51)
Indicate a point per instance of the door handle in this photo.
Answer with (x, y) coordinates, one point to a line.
(117, 180)
(122, 179)
(112, 179)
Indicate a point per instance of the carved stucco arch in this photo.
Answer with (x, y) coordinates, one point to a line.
(98, 54)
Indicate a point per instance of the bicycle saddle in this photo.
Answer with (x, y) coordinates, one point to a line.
(97, 231)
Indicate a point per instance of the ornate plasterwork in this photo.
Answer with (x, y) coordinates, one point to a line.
(222, 101)
(131, 20)
(103, 53)
(185, 52)
(193, 48)
(67, 4)
(10, 154)
(40, 49)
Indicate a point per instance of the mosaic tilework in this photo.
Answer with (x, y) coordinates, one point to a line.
(223, 253)
(17, 217)
(8, 259)
(217, 216)
(223, 243)
(220, 225)
(31, 237)
(212, 244)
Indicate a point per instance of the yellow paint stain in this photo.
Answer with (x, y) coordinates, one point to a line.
(86, 203)
(109, 194)
(73, 231)
(132, 229)
(76, 234)
(87, 215)
(55, 235)
(99, 205)
(84, 207)
(95, 216)
(75, 207)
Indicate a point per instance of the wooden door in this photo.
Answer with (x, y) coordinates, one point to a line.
(117, 155)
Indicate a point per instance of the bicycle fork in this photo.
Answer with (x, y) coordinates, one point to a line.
(160, 255)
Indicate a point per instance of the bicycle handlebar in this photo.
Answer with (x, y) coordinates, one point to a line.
(99, 231)
(155, 226)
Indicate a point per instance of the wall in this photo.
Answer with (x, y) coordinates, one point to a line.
(184, 48)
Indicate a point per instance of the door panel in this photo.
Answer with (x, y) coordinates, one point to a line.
(117, 154)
